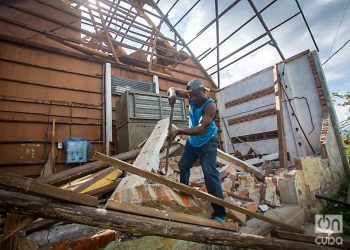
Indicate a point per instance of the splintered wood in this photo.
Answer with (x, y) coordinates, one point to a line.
(189, 190)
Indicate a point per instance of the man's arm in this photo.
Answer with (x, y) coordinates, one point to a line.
(174, 93)
(207, 117)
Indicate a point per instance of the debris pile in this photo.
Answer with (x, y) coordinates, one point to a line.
(83, 202)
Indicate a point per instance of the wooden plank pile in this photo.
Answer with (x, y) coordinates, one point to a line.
(86, 195)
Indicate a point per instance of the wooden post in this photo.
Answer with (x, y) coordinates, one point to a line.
(280, 122)
(53, 151)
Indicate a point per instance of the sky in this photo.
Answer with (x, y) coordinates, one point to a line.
(329, 21)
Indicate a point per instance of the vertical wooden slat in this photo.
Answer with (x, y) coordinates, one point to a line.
(280, 123)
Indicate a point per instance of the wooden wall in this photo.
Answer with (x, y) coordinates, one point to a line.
(41, 79)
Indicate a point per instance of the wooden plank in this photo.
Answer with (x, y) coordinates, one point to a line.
(291, 215)
(264, 158)
(86, 169)
(280, 122)
(188, 190)
(88, 185)
(169, 215)
(104, 189)
(148, 158)
(222, 156)
(38, 225)
(242, 164)
(126, 222)
(24, 184)
(304, 238)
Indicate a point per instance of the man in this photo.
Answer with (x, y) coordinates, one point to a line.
(202, 142)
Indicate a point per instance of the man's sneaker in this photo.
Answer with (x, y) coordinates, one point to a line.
(219, 219)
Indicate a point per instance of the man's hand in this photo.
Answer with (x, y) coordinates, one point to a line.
(175, 93)
(172, 100)
(171, 136)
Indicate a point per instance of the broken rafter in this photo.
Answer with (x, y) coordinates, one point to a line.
(86, 169)
(121, 221)
(189, 190)
(24, 184)
(99, 36)
(108, 36)
(167, 21)
(75, 43)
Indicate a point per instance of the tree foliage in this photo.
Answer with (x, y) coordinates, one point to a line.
(343, 100)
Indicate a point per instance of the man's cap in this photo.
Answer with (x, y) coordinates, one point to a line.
(195, 84)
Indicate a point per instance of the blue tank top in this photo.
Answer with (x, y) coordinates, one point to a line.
(195, 117)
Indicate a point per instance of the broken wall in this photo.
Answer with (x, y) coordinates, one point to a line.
(249, 111)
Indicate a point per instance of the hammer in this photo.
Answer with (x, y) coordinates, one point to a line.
(169, 143)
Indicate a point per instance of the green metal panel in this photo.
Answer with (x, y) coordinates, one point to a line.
(137, 114)
(147, 106)
(132, 133)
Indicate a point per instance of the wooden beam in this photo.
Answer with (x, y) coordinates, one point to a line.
(242, 164)
(108, 36)
(99, 180)
(16, 182)
(280, 123)
(304, 238)
(86, 169)
(291, 215)
(126, 222)
(105, 189)
(38, 225)
(229, 158)
(189, 190)
(169, 215)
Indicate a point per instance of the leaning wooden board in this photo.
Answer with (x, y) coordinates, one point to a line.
(189, 190)
(27, 185)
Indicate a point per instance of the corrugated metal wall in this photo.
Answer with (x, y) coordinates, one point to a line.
(35, 87)
(41, 79)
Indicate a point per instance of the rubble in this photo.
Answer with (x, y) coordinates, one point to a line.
(254, 196)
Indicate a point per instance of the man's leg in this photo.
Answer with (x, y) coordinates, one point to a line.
(207, 157)
(186, 162)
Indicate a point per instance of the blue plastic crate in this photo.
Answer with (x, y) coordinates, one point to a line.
(76, 150)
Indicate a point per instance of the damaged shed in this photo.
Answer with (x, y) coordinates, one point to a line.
(85, 117)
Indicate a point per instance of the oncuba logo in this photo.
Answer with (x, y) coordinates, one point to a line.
(329, 224)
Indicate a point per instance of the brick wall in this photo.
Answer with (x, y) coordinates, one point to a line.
(254, 116)
(247, 98)
(325, 115)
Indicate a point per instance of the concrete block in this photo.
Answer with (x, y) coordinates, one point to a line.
(227, 185)
(287, 191)
(270, 193)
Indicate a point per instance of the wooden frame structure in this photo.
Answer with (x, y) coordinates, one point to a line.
(128, 32)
